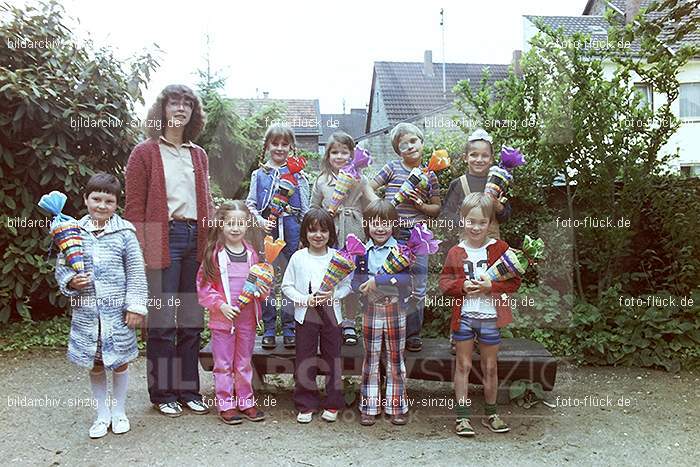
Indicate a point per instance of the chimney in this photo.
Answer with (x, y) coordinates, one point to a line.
(428, 64)
(631, 9)
(265, 94)
(517, 57)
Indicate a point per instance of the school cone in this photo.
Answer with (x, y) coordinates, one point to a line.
(348, 177)
(342, 263)
(500, 176)
(514, 263)
(280, 200)
(415, 179)
(343, 184)
(418, 178)
(399, 258)
(64, 230)
(261, 275)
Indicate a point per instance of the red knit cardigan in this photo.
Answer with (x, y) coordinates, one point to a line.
(453, 276)
(147, 202)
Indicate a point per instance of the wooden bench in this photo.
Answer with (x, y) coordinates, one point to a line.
(517, 359)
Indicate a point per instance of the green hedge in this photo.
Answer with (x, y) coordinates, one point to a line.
(48, 99)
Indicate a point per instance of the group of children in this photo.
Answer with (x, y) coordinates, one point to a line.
(391, 304)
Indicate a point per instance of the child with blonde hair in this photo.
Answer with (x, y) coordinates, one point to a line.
(348, 219)
(278, 144)
(227, 261)
(480, 310)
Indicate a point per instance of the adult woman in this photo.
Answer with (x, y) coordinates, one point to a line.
(168, 200)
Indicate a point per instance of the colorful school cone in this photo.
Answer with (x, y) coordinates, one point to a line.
(500, 176)
(286, 187)
(514, 262)
(415, 179)
(342, 263)
(64, 230)
(280, 200)
(348, 177)
(260, 275)
(400, 258)
(420, 242)
(418, 178)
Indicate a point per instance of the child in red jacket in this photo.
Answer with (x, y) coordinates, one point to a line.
(478, 310)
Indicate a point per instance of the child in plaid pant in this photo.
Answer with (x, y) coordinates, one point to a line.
(384, 319)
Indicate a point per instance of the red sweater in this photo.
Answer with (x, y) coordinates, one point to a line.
(453, 276)
(147, 202)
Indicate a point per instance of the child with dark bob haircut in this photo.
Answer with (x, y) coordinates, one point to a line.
(317, 318)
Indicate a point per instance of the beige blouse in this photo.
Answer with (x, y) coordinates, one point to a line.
(179, 179)
(348, 218)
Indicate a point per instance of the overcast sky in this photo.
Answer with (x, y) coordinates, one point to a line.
(307, 49)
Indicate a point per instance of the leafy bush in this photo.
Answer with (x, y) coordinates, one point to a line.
(593, 151)
(27, 335)
(620, 330)
(49, 102)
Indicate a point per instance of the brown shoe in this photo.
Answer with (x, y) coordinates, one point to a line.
(231, 417)
(400, 419)
(253, 414)
(367, 420)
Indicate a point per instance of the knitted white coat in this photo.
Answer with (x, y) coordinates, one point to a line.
(116, 266)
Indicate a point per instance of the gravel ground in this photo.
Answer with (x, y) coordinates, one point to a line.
(630, 417)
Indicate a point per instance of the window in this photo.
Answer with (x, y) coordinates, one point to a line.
(644, 90)
(690, 100)
(692, 170)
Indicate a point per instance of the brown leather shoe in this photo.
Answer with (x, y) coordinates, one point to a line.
(400, 419)
(367, 420)
(231, 417)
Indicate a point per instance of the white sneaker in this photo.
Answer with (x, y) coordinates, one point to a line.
(99, 429)
(305, 417)
(169, 409)
(330, 415)
(120, 424)
(197, 406)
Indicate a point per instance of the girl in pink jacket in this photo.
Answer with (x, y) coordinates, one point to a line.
(226, 262)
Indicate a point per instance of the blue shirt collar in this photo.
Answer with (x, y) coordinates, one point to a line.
(389, 244)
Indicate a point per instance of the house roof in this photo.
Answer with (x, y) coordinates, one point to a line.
(406, 91)
(352, 123)
(596, 26)
(303, 115)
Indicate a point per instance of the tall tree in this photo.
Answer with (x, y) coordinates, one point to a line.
(66, 111)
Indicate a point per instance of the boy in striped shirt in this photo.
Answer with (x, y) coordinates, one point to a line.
(422, 204)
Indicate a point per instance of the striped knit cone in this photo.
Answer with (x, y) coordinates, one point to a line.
(68, 240)
(498, 182)
(261, 274)
(280, 199)
(339, 268)
(506, 267)
(414, 180)
(343, 185)
(398, 260)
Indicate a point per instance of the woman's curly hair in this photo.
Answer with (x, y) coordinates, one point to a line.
(156, 115)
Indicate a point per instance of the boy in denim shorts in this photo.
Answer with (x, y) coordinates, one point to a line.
(479, 310)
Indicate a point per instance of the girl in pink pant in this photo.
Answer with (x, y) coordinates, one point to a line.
(225, 266)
